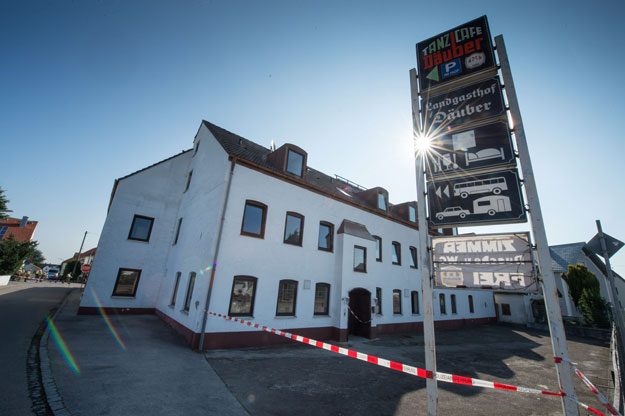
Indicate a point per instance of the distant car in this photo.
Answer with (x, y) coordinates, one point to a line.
(452, 212)
(53, 274)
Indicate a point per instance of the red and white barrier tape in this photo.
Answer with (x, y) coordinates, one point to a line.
(604, 401)
(356, 316)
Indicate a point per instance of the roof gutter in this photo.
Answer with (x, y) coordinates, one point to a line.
(216, 254)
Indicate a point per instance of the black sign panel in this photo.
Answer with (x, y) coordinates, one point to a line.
(477, 199)
(482, 147)
(477, 101)
(461, 51)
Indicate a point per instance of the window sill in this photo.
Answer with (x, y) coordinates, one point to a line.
(138, 240)
(285, 317)
(398, 314)
(262, 237)
(172, 306)
(360, 271)
(321, 316)
(323, 249)
(416, 314)
(412, 267)
(122, 297)
(186, 312)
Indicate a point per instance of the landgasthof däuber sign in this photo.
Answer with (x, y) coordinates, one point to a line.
(478, 101)
(479, 148)
(495, 261)
(461, 51)
(476, 199)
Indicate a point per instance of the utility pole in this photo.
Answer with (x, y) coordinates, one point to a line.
(78, 258)
(554, 314)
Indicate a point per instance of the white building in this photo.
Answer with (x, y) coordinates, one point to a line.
(293, 248)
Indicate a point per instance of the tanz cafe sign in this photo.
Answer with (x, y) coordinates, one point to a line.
(461, 51)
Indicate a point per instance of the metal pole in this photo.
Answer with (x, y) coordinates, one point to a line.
(77, 258)
(616, 309)
(554, 314)
(424, 258)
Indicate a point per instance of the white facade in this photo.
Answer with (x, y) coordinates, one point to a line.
(159, 192)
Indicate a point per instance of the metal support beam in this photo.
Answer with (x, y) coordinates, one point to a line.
(424, 256)
(554, 315)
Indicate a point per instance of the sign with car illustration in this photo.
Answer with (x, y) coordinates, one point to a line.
(479, 148)
(456, 53)
(478, 199)
(494, 261)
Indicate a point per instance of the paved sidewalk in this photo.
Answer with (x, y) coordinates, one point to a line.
(155, 374)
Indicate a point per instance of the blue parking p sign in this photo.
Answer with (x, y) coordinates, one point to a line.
(451, 68)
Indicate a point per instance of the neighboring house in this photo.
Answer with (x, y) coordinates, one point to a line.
(299, 250)
(20, 229)
(85, 258)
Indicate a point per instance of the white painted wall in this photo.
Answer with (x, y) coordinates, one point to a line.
(518, 307)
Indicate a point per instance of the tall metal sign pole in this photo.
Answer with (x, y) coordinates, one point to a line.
(424, 258)
(554, 315)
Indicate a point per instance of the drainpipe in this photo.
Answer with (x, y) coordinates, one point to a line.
(215, 254)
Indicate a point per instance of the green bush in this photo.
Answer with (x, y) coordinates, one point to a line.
(594, 308)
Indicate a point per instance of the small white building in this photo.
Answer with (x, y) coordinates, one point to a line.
(288, 247)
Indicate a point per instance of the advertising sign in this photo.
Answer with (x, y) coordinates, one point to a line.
(473, 102)
(477, 199)
(482, 147)
(461, 51)
(497, 261)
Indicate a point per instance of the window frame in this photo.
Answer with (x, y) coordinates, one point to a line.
(263, 207)
(396, 244)
(413, 257)
(412, 210)
(364, 259)
(294, 298)
(286, 166)
(136, 286)
(301, 228)
(331, 226)
(441, 303)
(234, 280)
(398, 293)
(174, 294)
(132, 226)
(189, 294)
(177, 231)
(413, 303)
(454, 309)
(378, 296)
(378, 239)
(381, 194)
(505, 309)
(327, 300)
(189, 176)
(471, 306)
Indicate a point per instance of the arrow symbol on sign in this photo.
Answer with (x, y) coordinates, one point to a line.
(440, 191)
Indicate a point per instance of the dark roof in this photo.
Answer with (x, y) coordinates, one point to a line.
(564, 254)
(245, 149)
(355, 229)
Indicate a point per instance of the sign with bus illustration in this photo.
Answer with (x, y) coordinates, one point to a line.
(478, 199)
(482, 148)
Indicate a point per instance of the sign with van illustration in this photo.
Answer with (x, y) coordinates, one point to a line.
(480, 148)
(501, 262)
(478, 199)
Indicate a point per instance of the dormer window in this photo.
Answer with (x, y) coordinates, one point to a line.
(295, 163)
(381, 202)
(412, 214)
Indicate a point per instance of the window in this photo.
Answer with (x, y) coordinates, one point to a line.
(381, 202)
(242, 296)
(378, 248)
(360, 259)
(127, 282)
(295, 163)
(471, 309)
(287, 295)
(396, 301)
(441, 300)
(173, 295)
(326, 236)
(413, 257)
(3, 230)
(453, 304)
(188, 180)
(293, 228)
(322, 298)
(197, 146)
(378, 295)
(414, 297)
(396, 253)
(412, 214)
(141, 228)
(505, 309)
(178, 231)
(187, 299)
(254, 217)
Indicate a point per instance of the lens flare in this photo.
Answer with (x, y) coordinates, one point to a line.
(60, 343)
(109, 325)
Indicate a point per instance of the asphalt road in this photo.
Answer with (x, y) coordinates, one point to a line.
(22, 308)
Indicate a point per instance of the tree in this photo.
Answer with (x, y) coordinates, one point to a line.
(13, 253)
(37, 258)
(579, 278)
(4, 202)
(586, 295)
(69, 267)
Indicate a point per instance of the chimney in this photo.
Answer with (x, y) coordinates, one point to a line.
(23, 222)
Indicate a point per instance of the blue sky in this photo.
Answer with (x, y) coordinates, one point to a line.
(94, 90)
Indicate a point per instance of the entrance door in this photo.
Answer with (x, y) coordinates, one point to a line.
(360, 304)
